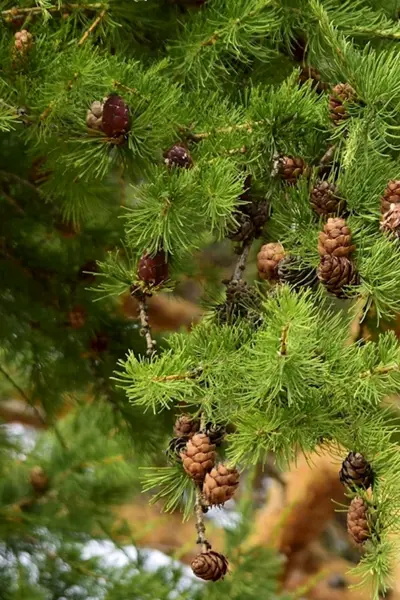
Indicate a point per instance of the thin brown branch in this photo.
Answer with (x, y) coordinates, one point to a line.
(92, 27)
(283, 340)
(241, 262)
(146, 329)
(385, 370)
(178, 376)
(200, 526)
(33, 10)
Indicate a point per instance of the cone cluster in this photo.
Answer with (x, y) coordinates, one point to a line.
(110, 116)
(390, 209)
(336, 269)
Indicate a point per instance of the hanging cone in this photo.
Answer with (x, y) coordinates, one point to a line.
(198, 457)
(220, 485)
(210, 566)
(356, 471)
(335, 239)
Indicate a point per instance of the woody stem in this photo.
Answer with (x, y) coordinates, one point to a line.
(200, 526)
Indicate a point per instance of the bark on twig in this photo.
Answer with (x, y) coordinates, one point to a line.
(146, 329)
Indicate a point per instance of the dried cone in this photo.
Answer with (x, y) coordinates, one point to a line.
(94, 115)
(210, 566)
(268, 260)
(23, 42)
(336, 272)
(199, 457)
(39, 480)
(357, 521)
(341, 95)
(178, 156)
(115, 120)
(390, 223)
(391, 195)
(311, 74)
(356, 471)
(290, 168)
(335, 239)
(77, 317)
(153, 270)
(220, 484)
(326, 201)
(185, 426)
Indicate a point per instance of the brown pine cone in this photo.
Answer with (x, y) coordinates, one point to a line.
(199, 457)
(39, 480)
(356, 471)
(186, 426)
(308, 73)
(153, 270)
(335, 239)
(341, 95)
(391, 195)
(220, 484)
(178, 156)
(23, 42)
(268, 260)
(326, 201)
(357, 521)
(243, 229)
(336, 272)
(291, 168)
(210, 566)
(390, 223)
(94, 115)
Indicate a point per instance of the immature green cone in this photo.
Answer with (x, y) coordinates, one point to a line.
(268, 260)
(186, 426)
(342, 95)
(325, 200)
(220, 485)
(292, 271)
(357, 521)
(391, 195)
(390, 223)
(337, 272)
(291, 168)
(198, 457)
(210, 566)
(356, 471)
(335, 239)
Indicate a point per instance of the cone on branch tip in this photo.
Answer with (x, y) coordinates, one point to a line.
(94, 115)
(198, 457)
(390, 223)
(115, 120)
(292, 271)
(220, 485)
(186, 426)
(153, 269)
(356, 471)
(337, 272)
(391, 195)
(326, 201)
(39, 480)
(341, 95)
(23, 42)
(357, 521)
(210, 565)
(335, 239)
(268, 260)
(291, 168)
(178, 156)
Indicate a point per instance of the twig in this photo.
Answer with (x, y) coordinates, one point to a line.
(179, 376)
(283, 340)
(32, 404)
(146, 329)
(92, 27)
(380, 370)
(131, 90)
(15, 12)
(241, 262)
(200, 526)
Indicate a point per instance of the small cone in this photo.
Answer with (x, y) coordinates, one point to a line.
(199, 457)
(357, 521)
(216, 433)
(220, 485)
(390, 223)
(77, 317)
(115, 120)
(175, 447)
(23, 42)
(185, 426)
(325, 200)
(336, 272)
(178, 156)
(391, 195)
(291, 168)
(335, 239)
(268, 260)
(243, 229)
(342, 95)
(210, 566)
(94, 115)
(356, 471)
(153, 270)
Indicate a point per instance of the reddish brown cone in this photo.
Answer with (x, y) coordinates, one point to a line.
(178, 156)
(153, 270)
(356, 471)
(220, 484)
(335, 239)
(391, 195)
(210, 566)
(186, 426)
(357, 521)
(115, 120)
(336, 272)
(199, 457)
(39, 480)
(268, 260)
(326, 201)
(291, 168)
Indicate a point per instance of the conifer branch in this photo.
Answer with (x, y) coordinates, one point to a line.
(92, 27)
(197, 137)
(178, 376)
(33, 10)
(385, 370)
(283, 340)
(50, 107)
(146, 329)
